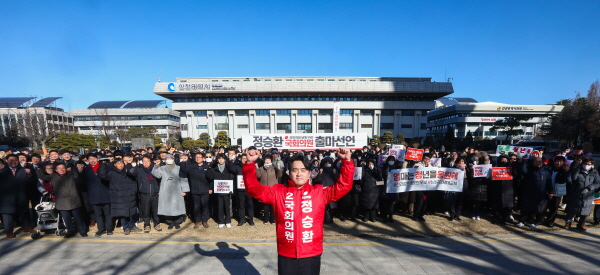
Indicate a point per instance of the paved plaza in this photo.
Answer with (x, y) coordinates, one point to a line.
(562, 252)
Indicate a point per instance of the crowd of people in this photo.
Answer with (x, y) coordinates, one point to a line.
(108, 189)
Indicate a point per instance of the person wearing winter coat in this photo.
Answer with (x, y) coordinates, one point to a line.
(245, 203)
(561, 179)
(535, 188)
(200, 188)
(388, 200)
(147, 188)
(219, 171)
(502, 194)
(268, 175)
(95, 177)
(478, 187)
(299, 210)
(68, 201)
(123, 196)
(454, 200)
(173, 188)
(14, 180)
(584, 182)
(327, 177)
(369, 197)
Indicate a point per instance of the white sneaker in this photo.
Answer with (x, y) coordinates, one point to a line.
(478, 218)
(511, 218)
(228, 225)
(520, 224)
(474, 218)
(532, 225)
(221, 225)
(446, 213)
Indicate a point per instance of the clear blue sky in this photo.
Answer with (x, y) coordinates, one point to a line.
(517, 52)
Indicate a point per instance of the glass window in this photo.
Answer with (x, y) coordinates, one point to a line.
(304, 112)
(366, 112)
(423, 126)
(366, 126)
(284, 112)
(408, 112)
(472, 124)
(346, 112)
(346, 126)
(284, 126)
(263, 112)
(326, 112)
(221, 113)
(304, 126)
(263, 126)
(241, 112)
(242, 126)
(387, 125)
(387, 112)
(406, 126)
(424, 112)
(200, 126)
(200, 113)
(325, 126)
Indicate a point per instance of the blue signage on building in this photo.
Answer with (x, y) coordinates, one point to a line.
(171, 87)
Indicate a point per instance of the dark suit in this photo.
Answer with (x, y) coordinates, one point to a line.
(13, 196)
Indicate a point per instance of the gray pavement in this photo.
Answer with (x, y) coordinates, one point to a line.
(562, 252)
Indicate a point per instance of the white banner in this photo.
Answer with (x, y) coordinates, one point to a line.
(482, 171)
(425, 179)
(519, 151)
(223, 186)
(313, 141)
(398, 152)
(240, 182)
(336, 116)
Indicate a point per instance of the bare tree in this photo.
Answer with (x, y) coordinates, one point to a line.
(37, 124)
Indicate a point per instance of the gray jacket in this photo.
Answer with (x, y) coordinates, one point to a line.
(170, 200)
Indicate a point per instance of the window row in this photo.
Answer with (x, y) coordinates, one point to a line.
(301, 98)
(111, 118)
(310, 112)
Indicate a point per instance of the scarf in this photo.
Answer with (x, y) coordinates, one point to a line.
(149, 172)
(221, 167)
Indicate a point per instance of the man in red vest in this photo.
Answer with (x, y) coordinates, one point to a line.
(299, 210)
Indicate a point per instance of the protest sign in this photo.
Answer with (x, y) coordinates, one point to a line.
(414, 154)
(399, 153)
(357, 173)
(382, 159)
(597, 198)
(482, 171)
(568, 162)
(223, 186)
(519, 151)
(502, 173)
(306, 141)
(436, 162)
(425, 179)
(240, 182)
(398, 146)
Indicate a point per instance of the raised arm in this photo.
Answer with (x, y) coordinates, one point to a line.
(344, 182)
(156, 170)
(266, 194)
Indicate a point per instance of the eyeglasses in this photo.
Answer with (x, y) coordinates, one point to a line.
(301, 170)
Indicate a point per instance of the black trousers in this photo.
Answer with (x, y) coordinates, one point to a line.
(8, 222)
(245, 205)
(528, 216)
(149, 208)
(597, 212)
(201, 210)
(269, 213)
(68, 215)
(454, 204)
(301, 266)
(103, 217)
(551, 206)
(174, 220)
(223, 209)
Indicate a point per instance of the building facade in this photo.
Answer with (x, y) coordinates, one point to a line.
(302, 104)
(32, 116)
(480, 117)
(105, 117)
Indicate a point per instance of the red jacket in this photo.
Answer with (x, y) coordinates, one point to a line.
(299, 212)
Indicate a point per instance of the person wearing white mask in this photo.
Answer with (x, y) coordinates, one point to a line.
(388, 200)
(173, 188)
(585, 182)
(369, 197)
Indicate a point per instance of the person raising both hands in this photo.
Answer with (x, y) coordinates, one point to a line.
(299, 209)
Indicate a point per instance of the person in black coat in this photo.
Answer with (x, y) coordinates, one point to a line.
(95, 177)
(68, 199)
(200, 189)
(454, 200)
(369, 197)
(148, 187)
(219, 171)
(535, 188)
(123, 199)
(561, 179)
(244, 201)
(14, 180)
(388, 200)
(502, 194)
(327, 177)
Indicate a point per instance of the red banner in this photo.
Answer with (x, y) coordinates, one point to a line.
(414, 154)
(502, 173)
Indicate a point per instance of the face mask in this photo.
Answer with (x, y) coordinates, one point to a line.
(87, 163)
(371, 167)
(208, 159)
(268, 165)
(320, 157)
(426, 151)
(170, 161)
(327, 165)
(359, 157)
(391, 162)
(586, 167)
(363, 164)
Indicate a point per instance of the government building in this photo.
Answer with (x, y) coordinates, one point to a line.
(465, 115)
(270, 105)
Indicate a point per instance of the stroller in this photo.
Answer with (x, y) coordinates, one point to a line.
(48, 218)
